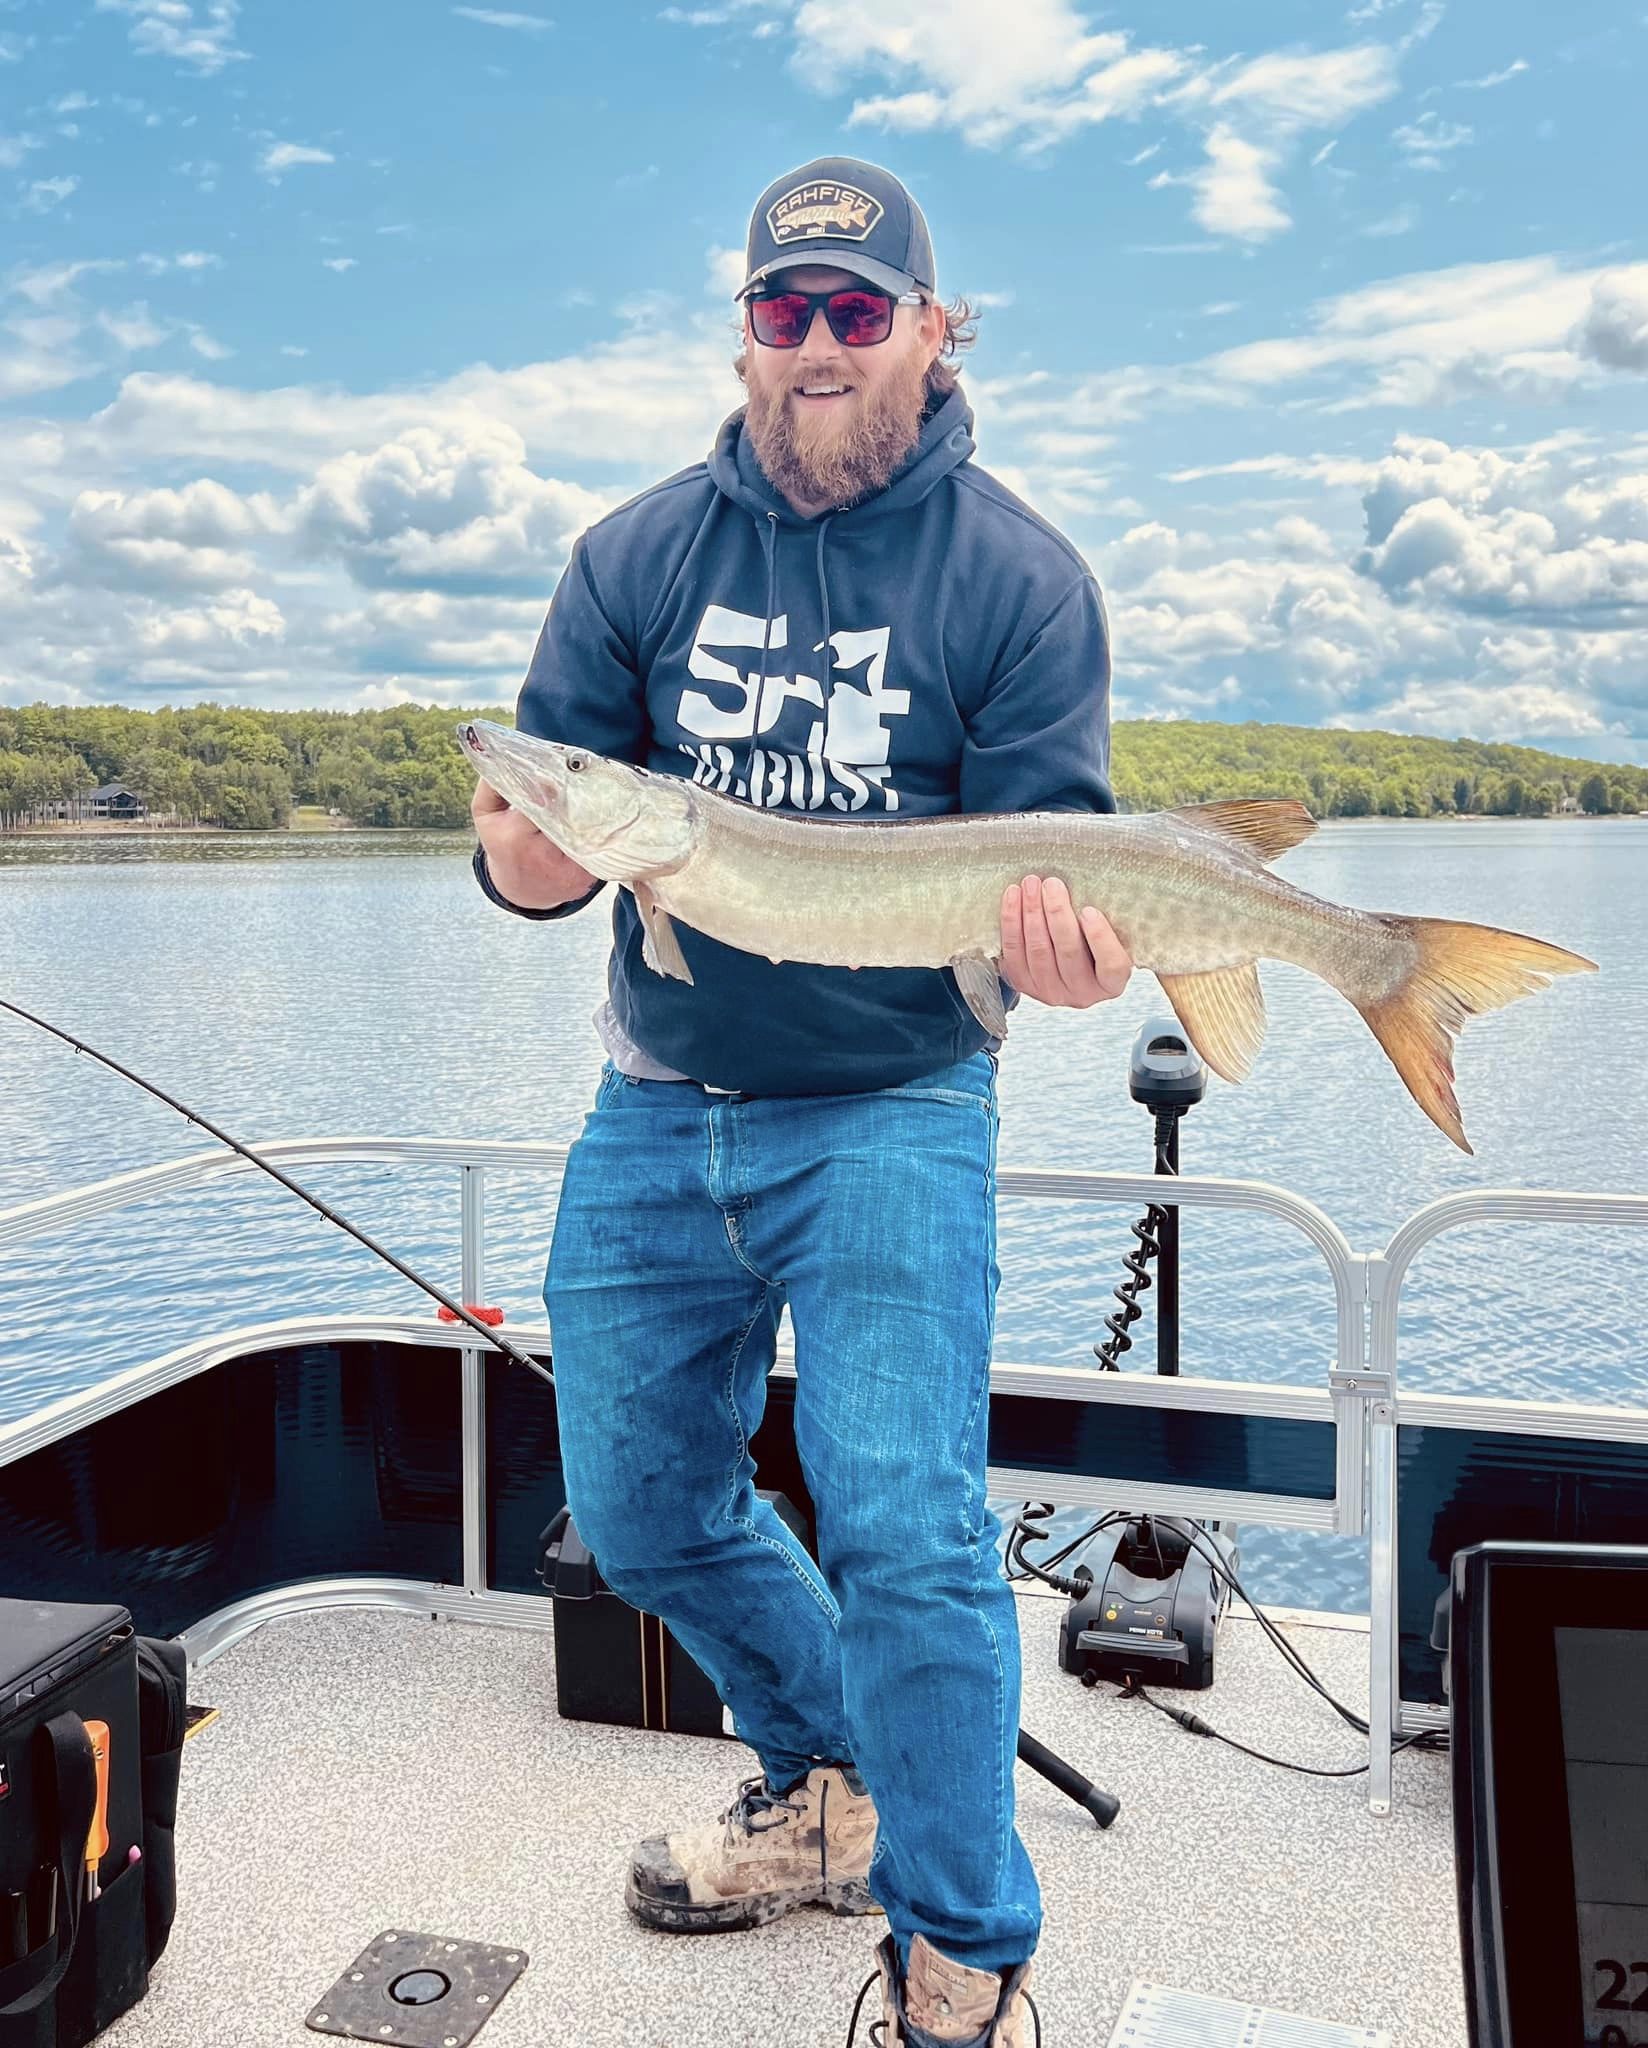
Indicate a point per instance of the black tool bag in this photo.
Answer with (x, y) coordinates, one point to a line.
(70, 1965)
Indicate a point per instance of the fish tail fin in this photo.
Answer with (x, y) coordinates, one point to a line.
(1461, 970)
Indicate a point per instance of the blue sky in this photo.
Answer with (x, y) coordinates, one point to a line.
(326, 325)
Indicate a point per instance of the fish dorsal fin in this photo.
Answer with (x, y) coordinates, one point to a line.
(1267, 828)
(1224, 1014)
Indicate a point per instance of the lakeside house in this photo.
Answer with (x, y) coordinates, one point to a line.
(115, 800)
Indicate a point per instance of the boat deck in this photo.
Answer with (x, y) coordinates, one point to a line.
(374, 1771)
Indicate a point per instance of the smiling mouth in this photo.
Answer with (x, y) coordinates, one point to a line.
(821, 394)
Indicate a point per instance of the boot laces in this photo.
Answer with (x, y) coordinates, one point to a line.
(755, 1797)
(878, 2028)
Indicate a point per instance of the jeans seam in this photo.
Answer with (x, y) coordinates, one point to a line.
(981, 1394)
(743, 1521)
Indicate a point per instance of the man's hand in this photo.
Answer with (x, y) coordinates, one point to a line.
(1050, 953)
(526, 867)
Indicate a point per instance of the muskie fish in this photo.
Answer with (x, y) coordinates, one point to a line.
(1188, 892)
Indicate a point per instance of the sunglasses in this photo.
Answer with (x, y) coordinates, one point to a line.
(859, 317)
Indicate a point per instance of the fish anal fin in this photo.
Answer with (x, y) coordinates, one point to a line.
(1267, 829)
(980, 983)
(1223, 1011)
(660, 948)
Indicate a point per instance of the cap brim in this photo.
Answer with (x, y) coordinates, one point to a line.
(827, 255)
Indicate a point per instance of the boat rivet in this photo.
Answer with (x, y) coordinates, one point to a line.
(322, 2019)
(356, 1976)
(391, 1937)
(512, 1959)
(482, 1999)
(451, 1948)
(386, 2030)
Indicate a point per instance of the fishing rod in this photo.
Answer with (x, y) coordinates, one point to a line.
(193, 1116)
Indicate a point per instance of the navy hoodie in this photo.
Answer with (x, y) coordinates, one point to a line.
(934, 648)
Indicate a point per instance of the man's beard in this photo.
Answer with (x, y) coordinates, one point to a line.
(820, 461)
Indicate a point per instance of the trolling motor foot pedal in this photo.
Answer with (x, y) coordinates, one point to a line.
(418, 1991)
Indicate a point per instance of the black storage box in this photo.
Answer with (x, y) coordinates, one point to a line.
(69, 1965)
(614, 1663)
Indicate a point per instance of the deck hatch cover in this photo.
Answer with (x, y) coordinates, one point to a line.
(1156, 2016)
(418, 1991)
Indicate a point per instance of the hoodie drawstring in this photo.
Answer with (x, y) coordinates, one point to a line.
(824, 603)
(767, 622)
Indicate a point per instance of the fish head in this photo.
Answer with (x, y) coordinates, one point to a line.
(620, 822)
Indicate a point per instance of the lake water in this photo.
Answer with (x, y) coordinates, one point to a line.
(358, 983)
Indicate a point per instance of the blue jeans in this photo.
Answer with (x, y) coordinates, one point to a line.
(686, 1220)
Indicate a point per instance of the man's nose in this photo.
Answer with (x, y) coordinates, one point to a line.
(818, 339)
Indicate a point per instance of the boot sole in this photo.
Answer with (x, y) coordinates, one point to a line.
(734, 1916)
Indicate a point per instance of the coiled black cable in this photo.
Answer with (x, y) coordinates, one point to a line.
(1148, 1231)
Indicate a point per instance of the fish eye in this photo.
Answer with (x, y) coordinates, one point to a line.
(574, 763)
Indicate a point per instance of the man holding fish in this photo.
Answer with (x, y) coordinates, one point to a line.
(838, 612)
(776, 681)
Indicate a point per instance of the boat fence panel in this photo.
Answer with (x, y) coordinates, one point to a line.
(1469, 1469)
(318, 1461)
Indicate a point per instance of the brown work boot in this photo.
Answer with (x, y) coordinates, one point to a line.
(769, 1852)
(941, 2003)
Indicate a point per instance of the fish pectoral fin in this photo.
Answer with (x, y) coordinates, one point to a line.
(1224, 1013)
(660, 948)
(980, 983)
(1267, 829)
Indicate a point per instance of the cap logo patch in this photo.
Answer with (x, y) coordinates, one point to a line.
(840, 211)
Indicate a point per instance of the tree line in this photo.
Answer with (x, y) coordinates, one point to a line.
(243, 769)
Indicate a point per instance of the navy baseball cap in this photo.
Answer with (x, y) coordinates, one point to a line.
(847, 214)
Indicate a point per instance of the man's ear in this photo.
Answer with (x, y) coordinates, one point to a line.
(930, 324)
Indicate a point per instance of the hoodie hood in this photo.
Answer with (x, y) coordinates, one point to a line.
(946, 442)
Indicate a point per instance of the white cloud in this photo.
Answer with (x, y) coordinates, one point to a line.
(446, 511)
(724, 272)
(197, 259)
(1037, 73)
(13, 149)
(532, 24)
(1493, 78)
(1429, 141)
(135, 328)
(72, 103)
(45, 193)
(339, 263)
(1235, 194)
(1482, 532)
(1614, 330)
(282, 156)
(170, 28)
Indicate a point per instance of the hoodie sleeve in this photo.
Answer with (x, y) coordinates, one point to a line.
(583, 689)
(1039, 739)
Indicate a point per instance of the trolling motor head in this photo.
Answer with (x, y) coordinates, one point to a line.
(1166, 1071)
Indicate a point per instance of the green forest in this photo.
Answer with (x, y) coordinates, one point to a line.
(205, 764)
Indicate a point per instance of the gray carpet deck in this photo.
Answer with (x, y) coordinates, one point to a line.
(374, 1770)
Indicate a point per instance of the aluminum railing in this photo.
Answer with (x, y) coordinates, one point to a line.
(1361, 1397)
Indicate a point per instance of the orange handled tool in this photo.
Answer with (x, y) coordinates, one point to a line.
(97, 1842)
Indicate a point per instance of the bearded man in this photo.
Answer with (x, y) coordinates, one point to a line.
(840, 613)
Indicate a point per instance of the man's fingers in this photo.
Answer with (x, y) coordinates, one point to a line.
(1111, 959)
(1014, 967)
(485, 801)
(1071, 962)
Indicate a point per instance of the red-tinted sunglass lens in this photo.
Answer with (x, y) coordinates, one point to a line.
(781, 322)
(859, 318)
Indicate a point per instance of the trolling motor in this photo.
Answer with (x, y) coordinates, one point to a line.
(1150, 1593)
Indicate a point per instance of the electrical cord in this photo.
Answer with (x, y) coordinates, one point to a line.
(1148, 1231)
(1079, 1583)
